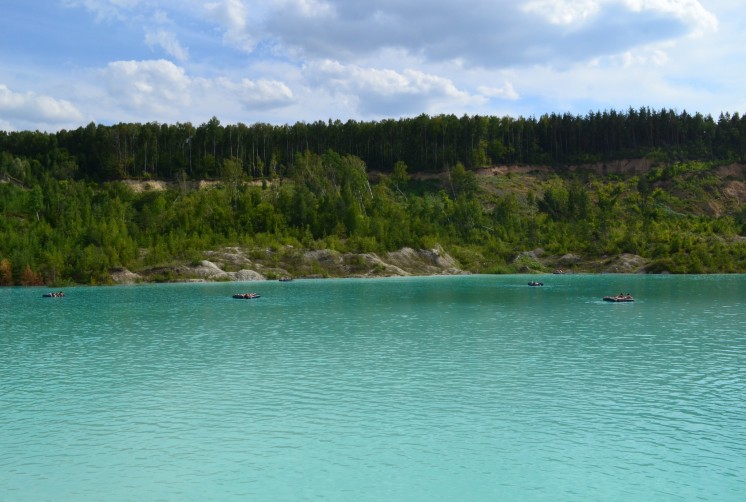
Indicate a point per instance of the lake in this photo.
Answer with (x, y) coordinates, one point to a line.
(411, 389)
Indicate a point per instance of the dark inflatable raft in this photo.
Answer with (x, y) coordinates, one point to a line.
(246, 296)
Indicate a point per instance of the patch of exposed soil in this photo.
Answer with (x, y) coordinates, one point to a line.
(234, 264)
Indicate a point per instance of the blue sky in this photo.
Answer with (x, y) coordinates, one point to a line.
(65, 63)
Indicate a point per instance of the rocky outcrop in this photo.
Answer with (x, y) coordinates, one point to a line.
(423, 261)
(537, 261)
(123, 276)
(234, 264)
(529, 262)
(568, 260)
(245, 275)
(207, 270)
(626, 264)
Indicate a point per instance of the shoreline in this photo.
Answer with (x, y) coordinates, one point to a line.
(233, 265)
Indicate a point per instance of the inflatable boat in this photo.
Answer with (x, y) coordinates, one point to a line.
(246, 296)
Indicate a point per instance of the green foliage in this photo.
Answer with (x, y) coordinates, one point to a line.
(65, 215)
(400, 177)
(463, 182)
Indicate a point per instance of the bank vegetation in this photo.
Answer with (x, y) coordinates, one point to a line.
(635, 191)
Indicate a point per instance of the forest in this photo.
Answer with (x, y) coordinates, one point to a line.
(67, 215)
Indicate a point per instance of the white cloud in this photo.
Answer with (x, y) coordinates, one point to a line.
(568, 12)
(232, 15)
(487, 33)
(287, 60)
(563, 12)
(309, 8)
(151, 87)
(506, 91)
(383, 92)
(168, 42)
(653, 57)
(229, 13)
(162, 91)
(381, 81)
(30, 107)
(690, 11)
(260, 94)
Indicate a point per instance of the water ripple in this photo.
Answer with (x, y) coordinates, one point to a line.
(471, 388)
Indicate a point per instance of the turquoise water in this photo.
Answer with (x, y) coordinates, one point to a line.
(415, 389)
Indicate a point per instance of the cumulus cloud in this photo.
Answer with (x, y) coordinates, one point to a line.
(505, 91)
(487, 33)
(288, 60)
(563, 12)
(31, 107)
(256, 95)
(155, 86)
(484, 33)
(159, 89)
(574, 12)
(690, 11)
(168, 42)
(232, 15)
(385, 92)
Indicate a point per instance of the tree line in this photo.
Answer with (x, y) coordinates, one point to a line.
(423, 143)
